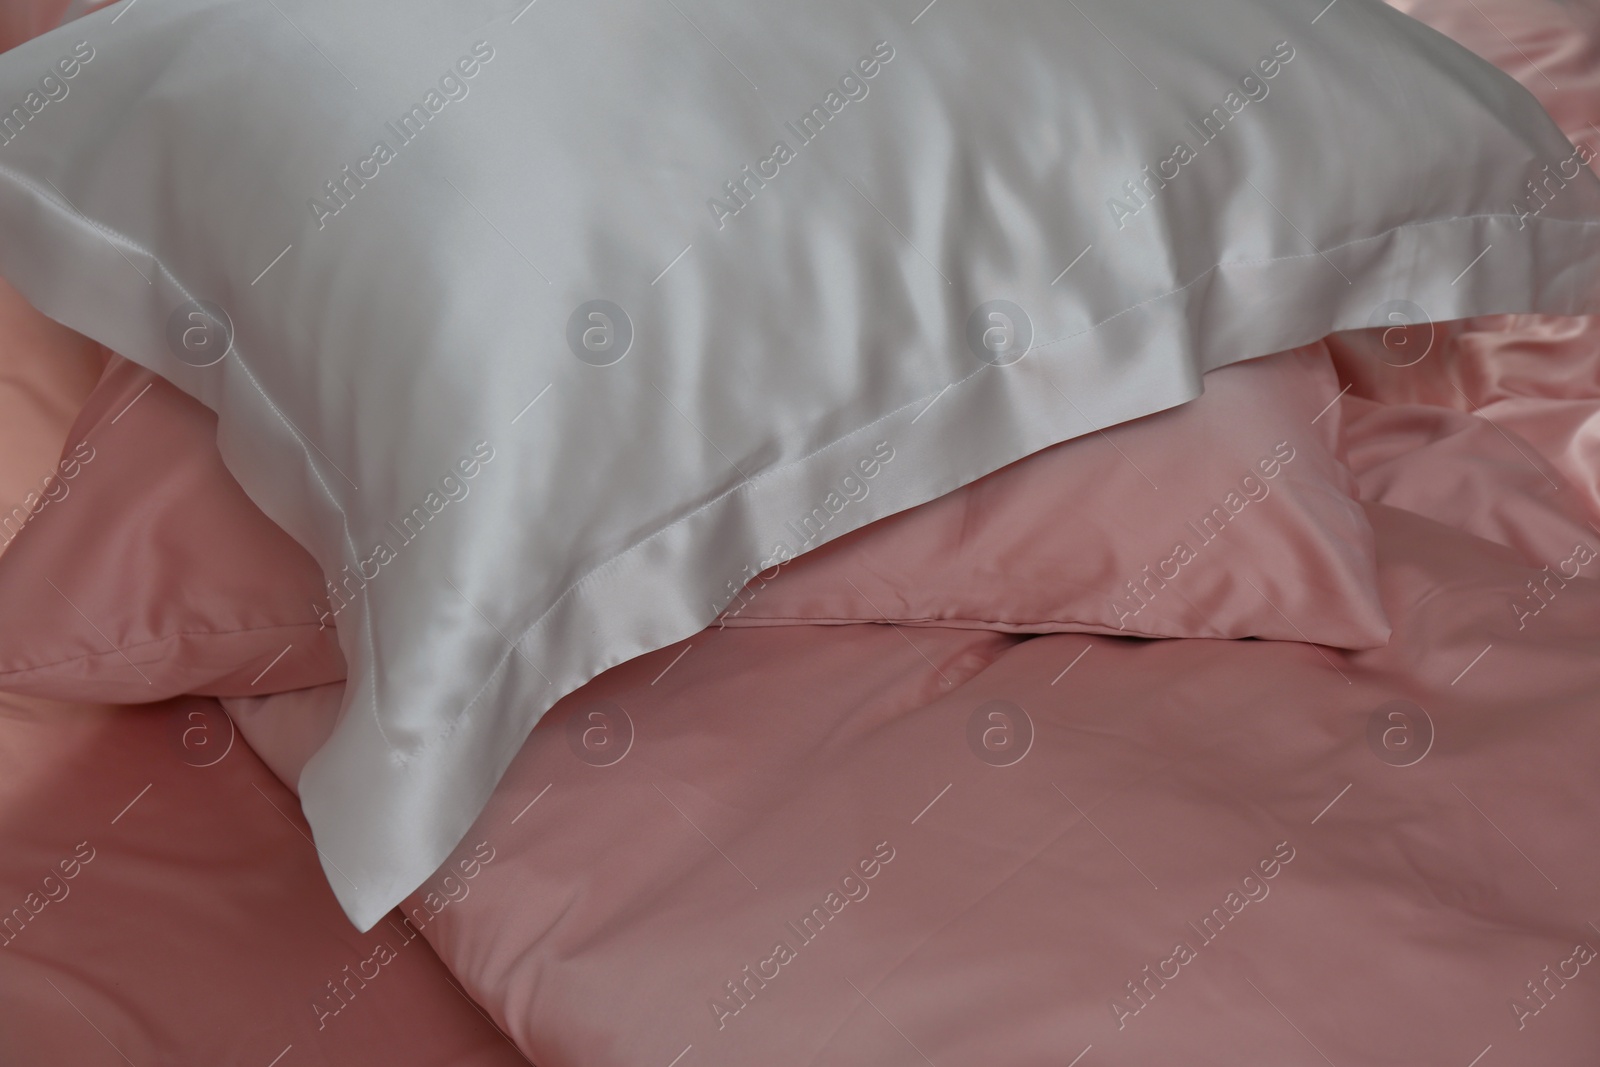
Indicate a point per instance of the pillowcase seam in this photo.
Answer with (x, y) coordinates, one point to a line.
(121, 649)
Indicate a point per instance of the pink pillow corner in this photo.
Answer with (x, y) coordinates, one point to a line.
(1117, 532)
(195, 590)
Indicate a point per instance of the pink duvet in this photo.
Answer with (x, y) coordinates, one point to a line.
(1176, 851)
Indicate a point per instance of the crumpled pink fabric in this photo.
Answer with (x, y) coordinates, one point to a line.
(1534, 378)
(1467, 473)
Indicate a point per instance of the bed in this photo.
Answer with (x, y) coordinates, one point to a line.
(1226, 696)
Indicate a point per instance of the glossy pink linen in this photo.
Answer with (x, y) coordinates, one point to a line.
(46, 374)
(1468, 473)
(1537, 377)
(161, 903)
(1509, 368)
(1182, 524)
(197, 592)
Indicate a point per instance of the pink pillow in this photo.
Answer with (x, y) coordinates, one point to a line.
(145, 572)
(1231, 516)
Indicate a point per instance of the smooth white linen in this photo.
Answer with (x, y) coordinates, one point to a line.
(407, 331)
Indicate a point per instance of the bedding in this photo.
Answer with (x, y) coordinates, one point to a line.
(198, 592)
(1071, 847)
(160, 900)
(161, 903)
(850, 845)
(1179, 524)
(1417, 812)
(719, 323)
(1526, 374)
(1458, 468)
(834, 845)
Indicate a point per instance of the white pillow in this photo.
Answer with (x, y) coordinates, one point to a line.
(602, 297)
